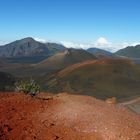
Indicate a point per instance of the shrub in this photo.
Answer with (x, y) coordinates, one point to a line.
(112, 100)
(28, 87)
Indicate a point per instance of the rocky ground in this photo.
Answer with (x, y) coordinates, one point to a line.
(64, 117)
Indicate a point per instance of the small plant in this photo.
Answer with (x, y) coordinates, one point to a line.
(112, 100)
(28, 87)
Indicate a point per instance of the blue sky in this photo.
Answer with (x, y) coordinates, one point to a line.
(95, 22)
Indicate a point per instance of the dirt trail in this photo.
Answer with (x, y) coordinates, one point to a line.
(131, 101)
(133, 105)
(65, 117)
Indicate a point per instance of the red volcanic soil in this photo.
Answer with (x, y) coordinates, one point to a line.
(64, 117)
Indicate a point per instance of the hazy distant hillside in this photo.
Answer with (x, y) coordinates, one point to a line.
(29, 47)
(51, 64)
(55, 48)
(131, 51)
(100, 53)
(101, 78)
(3, 62)
(6, 81)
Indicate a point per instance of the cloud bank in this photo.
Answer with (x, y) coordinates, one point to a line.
(40, 40)
(101, 43)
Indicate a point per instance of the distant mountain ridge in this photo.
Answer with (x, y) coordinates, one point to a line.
(100, 53)
(130, 51)
(51, 64)
(29, 47)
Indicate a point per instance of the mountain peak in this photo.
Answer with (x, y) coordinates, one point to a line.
(27, 39)
(29, 47)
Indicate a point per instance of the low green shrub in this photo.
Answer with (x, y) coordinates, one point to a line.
(28, 87)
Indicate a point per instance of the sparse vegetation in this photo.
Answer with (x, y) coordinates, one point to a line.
(112, 100)
(28, 87)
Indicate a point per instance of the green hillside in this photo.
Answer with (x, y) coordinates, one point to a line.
(102, 79)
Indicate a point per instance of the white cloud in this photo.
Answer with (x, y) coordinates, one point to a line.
(40, 40)
(118, 46)
(124, 45)
(69, 44)
(102, 41)
(4, 42)
(135, 43)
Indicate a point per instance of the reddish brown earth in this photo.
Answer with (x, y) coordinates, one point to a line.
(64, 117)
